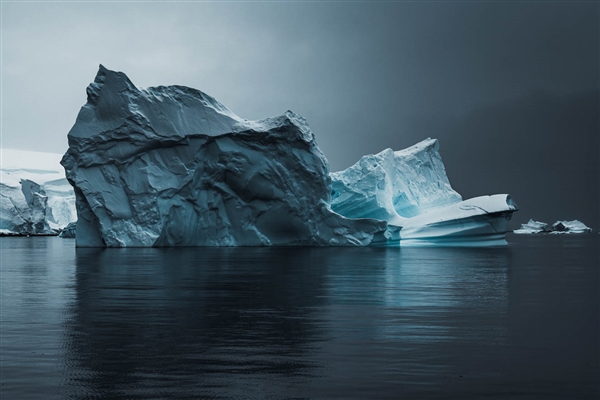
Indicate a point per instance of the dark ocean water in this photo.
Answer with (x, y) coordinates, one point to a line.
(519, 322)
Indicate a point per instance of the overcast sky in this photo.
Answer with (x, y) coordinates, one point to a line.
(511, 89)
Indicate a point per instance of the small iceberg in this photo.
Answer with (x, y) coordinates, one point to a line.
(574, 226)
(559, 227)
(533, 227)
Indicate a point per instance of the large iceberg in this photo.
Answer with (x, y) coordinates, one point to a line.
(35, 197)
(171, 166)
(410, 190)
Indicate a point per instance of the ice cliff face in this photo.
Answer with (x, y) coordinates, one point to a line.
(35, 197)
(171, 166)
(394, 185)
(15, 215)
(409, 189)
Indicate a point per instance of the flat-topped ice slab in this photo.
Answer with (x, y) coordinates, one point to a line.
(480, 221)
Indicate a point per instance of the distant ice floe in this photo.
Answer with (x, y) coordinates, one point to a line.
(35, 196)
(559, 227)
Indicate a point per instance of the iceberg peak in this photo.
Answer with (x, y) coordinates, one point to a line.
(393, 185)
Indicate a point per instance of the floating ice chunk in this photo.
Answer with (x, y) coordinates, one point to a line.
(559, 227)
(532, 227)
(574, 226)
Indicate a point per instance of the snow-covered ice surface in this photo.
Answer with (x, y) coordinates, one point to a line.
(171, 166)
(35, 197)
(559, 227)
(410, 190)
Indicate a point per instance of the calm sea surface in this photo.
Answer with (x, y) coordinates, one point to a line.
(519, 322)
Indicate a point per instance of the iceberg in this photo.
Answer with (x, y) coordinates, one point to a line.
(574, 226)
(532, 227)
(559, 227)
(171, 166)
(409, 189)
(35, 197)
